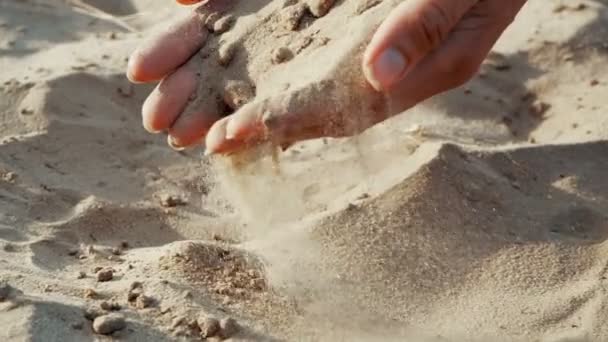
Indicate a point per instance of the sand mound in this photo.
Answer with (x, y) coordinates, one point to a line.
(477, 216)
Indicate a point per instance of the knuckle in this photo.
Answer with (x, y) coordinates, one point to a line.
(435, 24)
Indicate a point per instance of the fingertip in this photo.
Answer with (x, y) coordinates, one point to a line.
(244, 123)
(148, 119)
(386, 68)
(216, 137)
(168, 100)
(135, 73)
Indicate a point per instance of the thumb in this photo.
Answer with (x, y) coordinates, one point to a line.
(410, 32)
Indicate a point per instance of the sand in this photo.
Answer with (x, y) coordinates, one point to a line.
(478, 215)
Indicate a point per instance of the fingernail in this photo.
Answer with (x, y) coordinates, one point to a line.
(173, 144)
(387, 69)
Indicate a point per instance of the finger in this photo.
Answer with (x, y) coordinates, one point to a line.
(323, 110)
(161, 55)
(453, 64)
(217, 143)
(191, 127)
(167, 101)
(410, 32)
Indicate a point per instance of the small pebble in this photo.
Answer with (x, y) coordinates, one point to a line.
(170, 201)
(9, 177)
(291, 16)
(209, 326)
(226, 54)
(105, 275)
(237, 93)
(108, 324)
(92, 313)
(27, 111)
(223, 24)
(81, 275)
(319, 8)
(90, 293)
(539, 108)
(144, 301)
(281, 55)
(132, 296)
(77, 326)
(110, 306)
(136, 285)
(229, 327)
(5, 291)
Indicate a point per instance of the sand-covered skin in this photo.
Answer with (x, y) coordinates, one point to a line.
(480, 215)
(311, 68)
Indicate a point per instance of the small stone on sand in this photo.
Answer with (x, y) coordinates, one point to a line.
(223, 24)
(539, 108)
(132, 296)
(292, 15)
(319, 8)
(170, 201)
(209, 326)
(144, 301)
(92, 313)
(136, 285)
(226, 54)
(5, 291)
(108, 324)
(81, 275)
(9, 177)
(90, 293)
(104, 275)
(109, 306)
(282, 54)
(229, 327)
(237, 93)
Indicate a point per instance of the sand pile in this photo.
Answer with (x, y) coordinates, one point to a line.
(479, 215)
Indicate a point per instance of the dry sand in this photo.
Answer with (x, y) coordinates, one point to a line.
(477, 216)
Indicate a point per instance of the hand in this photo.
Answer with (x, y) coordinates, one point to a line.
(424, 47)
